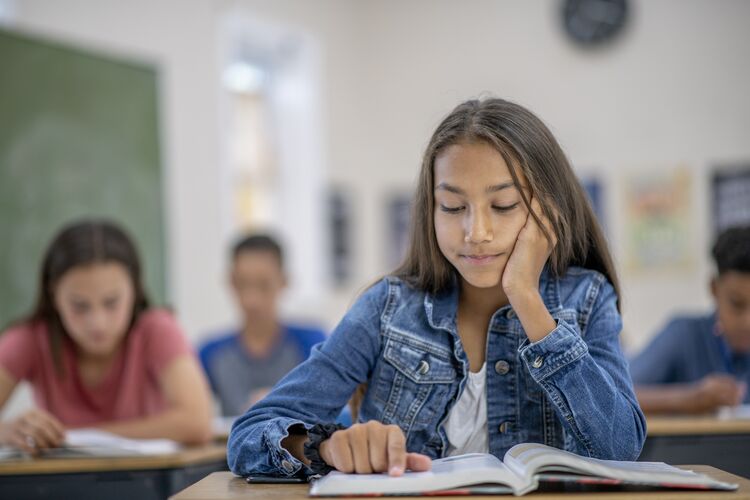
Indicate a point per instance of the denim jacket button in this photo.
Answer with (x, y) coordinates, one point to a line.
(287, 465)
(502, 367)
(538, 362)
(510, 314)
(503, 428)
(424, 367)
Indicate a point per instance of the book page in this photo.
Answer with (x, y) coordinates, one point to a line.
(446, 474)
(529, 459)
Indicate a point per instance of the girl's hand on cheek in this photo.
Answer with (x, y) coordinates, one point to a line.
(530, 253)
(371, 447)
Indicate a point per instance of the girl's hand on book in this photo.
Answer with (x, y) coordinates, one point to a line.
(371, 447)
(32, 432)
(530, 253)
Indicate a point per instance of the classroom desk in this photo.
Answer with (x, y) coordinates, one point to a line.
(226, 486)
(722, 443)
(137, 477)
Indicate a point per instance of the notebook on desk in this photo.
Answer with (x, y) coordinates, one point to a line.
(740, 412)
(81, 443)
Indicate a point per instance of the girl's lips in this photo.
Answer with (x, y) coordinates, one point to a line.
(98, 338)
(480, 259)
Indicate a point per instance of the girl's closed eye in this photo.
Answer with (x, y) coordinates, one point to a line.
(112, 303)
(80, 307)
(505, 208)
(451, 210)
(498, 208)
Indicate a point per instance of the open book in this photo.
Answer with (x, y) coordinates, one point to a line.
(521, 471)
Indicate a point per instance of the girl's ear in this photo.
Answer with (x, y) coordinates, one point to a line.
(714, 285)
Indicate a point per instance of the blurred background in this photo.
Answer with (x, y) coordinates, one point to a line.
(191, 122)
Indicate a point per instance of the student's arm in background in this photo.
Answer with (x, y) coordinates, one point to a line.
(704, 396)
(657, 384)
(187, 418)
(35, 429)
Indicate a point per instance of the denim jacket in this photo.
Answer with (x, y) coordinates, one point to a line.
(571, 390)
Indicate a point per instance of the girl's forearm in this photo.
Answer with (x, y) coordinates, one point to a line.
(536, 320)
(179, 425)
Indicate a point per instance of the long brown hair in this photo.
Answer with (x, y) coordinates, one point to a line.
(80, 244)
(525, 144)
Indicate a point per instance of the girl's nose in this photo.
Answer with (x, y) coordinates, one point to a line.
(479, 229)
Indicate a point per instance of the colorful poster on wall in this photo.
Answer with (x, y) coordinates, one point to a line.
(731, 197)
(657, 222)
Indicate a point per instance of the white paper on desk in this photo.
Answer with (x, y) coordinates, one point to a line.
(101, 443)
(734, 412)
(6, 452)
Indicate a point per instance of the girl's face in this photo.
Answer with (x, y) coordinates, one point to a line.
(95, 303)
(731, 292)
(258, 281)
(478, 211)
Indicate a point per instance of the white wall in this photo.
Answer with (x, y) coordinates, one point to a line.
(672, 90)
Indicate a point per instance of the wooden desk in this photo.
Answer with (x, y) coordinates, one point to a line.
(226, 486)
(138, 477)
(680, 426)
(721, 443)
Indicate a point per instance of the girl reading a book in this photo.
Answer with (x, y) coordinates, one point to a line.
(501, 326)
(96, 354)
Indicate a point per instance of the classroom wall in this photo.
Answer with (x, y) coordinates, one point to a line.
(671, 91)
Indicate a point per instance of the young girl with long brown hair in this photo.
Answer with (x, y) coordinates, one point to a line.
(502, 325)
(96, 354)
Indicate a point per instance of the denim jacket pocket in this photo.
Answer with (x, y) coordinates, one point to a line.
(421, 376)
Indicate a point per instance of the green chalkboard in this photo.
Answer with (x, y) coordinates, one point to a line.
(79, 137)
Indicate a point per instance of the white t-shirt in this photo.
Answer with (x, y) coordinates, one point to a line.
(466, 426)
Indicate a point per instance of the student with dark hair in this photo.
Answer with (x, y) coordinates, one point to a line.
(502, 325)
(698, 363)
(244, 363)
(96, 354)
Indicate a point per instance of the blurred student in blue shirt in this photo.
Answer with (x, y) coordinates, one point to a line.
(700, 363)
(243, 363)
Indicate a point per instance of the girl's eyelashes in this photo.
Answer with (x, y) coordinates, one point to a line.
(450, 210)
(80, 308)
(505, 208)
(111, 303)
(498, 208)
